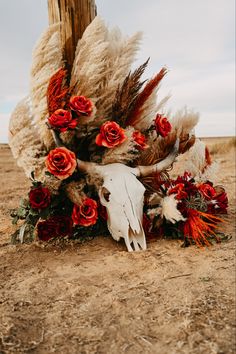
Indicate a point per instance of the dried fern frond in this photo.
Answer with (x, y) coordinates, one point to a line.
(57, 91)
(89, 66)
(123, 153)
(121, 56)
(145, 98)
(127, 94)
(47, 60)
(24, 140)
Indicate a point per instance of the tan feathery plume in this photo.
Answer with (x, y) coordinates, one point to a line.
(47, 60)
(199, 164)
(184, 121)
(118, 67)
(89, 65)
(24, 141)
(123, 153)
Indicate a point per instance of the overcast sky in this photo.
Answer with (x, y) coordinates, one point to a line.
(194, 39)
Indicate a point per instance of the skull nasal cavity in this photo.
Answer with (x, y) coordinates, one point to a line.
(106, 194)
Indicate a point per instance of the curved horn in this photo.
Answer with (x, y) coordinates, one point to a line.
(87, 167)
(144, 171)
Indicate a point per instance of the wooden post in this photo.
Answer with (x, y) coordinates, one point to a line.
(75, 16)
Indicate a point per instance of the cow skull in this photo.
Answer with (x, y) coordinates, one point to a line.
(123, 195)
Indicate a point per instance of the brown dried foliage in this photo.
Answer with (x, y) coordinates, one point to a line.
(161, 147)
(127, 94)
(143, 96)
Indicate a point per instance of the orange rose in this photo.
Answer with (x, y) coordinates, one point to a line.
(111, 135)
(61, 162)
(62, 120)
(162, 125)
(81, 105)
(140, 140)
(85, 214)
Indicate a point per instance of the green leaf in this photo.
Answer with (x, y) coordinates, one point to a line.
(47, 173)
(22, 213)
(34, 212)
(24, 203)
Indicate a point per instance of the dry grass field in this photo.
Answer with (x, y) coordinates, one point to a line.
(96, 298)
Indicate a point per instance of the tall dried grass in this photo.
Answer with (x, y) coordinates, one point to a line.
(223, 147)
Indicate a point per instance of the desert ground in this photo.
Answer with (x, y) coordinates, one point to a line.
(95, 297)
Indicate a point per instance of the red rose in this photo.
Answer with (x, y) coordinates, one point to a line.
(61, 162)
(46, 230)
(53, 227)
(140, 140)
(62, 120)
(85, 214)
(39, 198)
(64, 225)
(111, 135)
(162, 125)
(207, 191)
(81, 105)
(179, 191)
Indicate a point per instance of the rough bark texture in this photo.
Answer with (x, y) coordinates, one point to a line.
(75, 16)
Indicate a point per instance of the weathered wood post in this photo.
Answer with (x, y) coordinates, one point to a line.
(75, 16)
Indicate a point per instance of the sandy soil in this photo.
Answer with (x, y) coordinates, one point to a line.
(97, 298)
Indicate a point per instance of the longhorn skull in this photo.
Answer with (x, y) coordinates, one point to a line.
(123, 195)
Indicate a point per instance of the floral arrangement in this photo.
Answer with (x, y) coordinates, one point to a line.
(186, 209)
(103, 113)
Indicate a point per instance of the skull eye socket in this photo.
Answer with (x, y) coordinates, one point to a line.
(106, 194)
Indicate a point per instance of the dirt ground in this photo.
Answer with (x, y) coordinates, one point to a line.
(97, 298)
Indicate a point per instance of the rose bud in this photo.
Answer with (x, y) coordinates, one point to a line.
(61, 162)
(81, 105)
(85, 214)
(111, 135)
(62, 120)
(140, 140)
(162, 125)
(39, 198)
